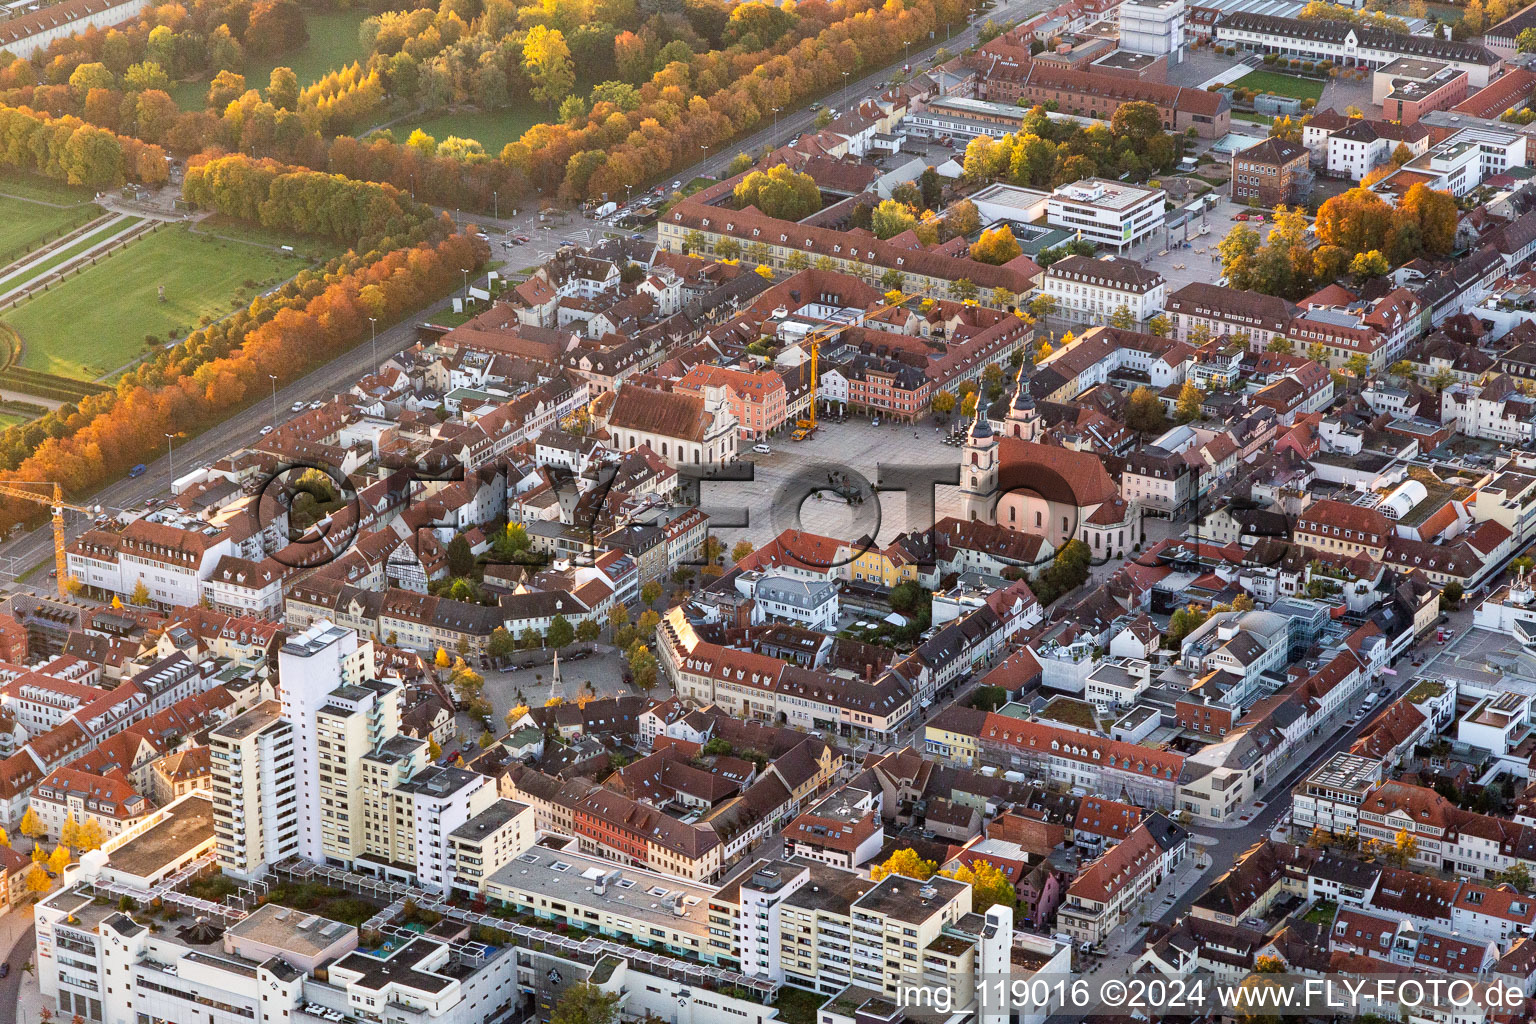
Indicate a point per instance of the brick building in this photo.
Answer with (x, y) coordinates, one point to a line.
(1271, 173)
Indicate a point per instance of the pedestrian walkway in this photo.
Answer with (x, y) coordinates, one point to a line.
(39, 268)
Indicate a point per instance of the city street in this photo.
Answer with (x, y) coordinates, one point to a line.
(1221, 844)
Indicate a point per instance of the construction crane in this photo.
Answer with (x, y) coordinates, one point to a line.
(55, 501)
(804, 428)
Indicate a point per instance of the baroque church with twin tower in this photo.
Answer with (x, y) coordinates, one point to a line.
(1017, 475)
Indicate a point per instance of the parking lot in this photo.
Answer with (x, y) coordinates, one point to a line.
(780, 495)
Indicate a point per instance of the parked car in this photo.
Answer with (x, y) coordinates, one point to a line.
(762, 449)
(296, 407)
(265, 431)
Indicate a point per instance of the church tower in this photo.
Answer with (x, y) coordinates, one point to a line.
(978, 469)
(1023, 418)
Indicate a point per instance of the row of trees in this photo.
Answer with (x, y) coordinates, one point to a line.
(714, 96)
(68, 149)
(304, 202)
(1045, 153)
(625, 135)
(314, 318)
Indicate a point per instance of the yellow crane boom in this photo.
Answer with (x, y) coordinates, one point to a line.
(821, 334)
(54, 499)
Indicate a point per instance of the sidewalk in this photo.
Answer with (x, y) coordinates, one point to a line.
(16, 928)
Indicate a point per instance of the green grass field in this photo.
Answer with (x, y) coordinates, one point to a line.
(95, 322)
(332, 45)
(74, 248)
(44, 190)
(1280, 84)
(25, 225)
(492, 130)
(218, 225)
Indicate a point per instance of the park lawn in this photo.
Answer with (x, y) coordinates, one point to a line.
(492, 129)
(67, 252)
(332, 45)
(316, 249)
(1280, 84)
(96, 321)
(44, 190)
(25, 225)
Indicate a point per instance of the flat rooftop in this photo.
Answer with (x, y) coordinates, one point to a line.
(906, 899)
(1124, 60)
(1021, 199)
(1346, 771)
(187, 826)
(250, 723)
(303, 934)
(488, 820)
(1413, 67)
(1104, 194)
(573, 878)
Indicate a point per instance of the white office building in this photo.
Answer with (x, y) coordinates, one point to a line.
(1089, 291)
(1115, 214)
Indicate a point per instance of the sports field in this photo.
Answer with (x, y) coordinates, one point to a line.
(97, 321)
(1280, 84)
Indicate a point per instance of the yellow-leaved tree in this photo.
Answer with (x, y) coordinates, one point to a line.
(989, 886)
(904, 862)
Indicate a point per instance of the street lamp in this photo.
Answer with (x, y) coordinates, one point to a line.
(495, 205)
(465, 271)
(776, 116)
(845, 88)
(273, 378)
(705, 147)
(170, 456)
(373, 341)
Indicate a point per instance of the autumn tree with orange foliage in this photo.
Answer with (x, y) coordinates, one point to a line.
(312, 319)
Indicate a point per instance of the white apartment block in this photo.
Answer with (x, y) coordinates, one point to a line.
(255, 791)
(310, 667)
(1109, 213)
(486, 843)
(356, 719)
(442, 800)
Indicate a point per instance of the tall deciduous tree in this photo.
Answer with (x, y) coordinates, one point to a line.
(996, 246)
(904, 862)
(547, 60)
